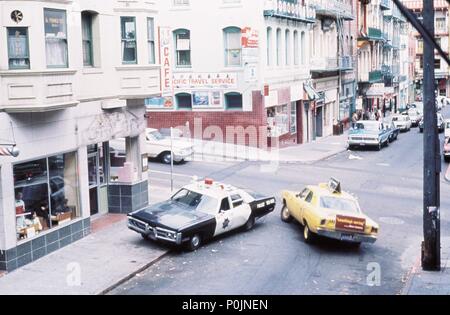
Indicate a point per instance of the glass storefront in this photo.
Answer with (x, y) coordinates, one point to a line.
(46, 194)
(278, 121)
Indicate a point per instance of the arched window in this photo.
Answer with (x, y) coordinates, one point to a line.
(233, 100)
(184, 101)
(182, 47)
(278, 47)
(233, 48)
(269, 46)
(296, 50)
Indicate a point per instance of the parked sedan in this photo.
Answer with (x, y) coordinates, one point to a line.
(440, 123)
(368, 133)
(403, 122)
(415, 116)
(393, 131)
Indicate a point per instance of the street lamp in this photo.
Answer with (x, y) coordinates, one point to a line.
(11, 151)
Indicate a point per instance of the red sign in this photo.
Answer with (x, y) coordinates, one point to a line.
(350, 223)
(165, 37)
(249, 38)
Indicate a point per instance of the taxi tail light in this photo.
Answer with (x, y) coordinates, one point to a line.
(209, 181)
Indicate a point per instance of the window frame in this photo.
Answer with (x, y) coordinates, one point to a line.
(61, 39)
(122, 29)
(151, 40)
(176, 33)
(27, 49)
(227, 107)
(87, 14)
(225, 33)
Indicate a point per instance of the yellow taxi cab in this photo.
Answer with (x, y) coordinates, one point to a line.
(328, 211)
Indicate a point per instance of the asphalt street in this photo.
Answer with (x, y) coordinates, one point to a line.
(273, 258)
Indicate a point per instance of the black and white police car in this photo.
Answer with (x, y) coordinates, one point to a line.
(200, 211)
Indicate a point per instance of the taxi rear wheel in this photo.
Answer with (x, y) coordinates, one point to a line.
(308, 236)
(285, 215)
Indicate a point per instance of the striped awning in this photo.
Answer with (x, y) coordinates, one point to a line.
(11, 151)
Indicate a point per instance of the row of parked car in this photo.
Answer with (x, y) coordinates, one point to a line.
(380, 133)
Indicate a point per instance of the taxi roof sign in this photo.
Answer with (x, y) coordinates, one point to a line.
(334, 185)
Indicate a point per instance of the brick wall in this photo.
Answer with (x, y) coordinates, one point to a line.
(255, 119)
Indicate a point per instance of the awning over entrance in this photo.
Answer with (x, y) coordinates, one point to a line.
(312, 93)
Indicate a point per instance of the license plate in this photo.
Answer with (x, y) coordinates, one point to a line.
(346, 237)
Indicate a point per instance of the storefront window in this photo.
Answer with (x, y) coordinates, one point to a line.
(293, 118)
(117, 158)
(277, 121)
(46, 194)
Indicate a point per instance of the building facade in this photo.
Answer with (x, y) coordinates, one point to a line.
(442, 27)
(73, 76)
(241, 79)
(333, 65)
(281, 75)
(378, 55)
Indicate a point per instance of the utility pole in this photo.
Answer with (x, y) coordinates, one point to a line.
(431, 248)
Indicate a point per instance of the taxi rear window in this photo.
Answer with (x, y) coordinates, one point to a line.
(340, 204)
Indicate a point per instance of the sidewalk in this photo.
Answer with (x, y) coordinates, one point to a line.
(429, 283)
(314, 151)
(109, 255)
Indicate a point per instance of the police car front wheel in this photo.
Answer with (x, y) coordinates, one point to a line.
(194, 242)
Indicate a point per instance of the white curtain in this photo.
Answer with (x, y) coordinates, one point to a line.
(56, 52)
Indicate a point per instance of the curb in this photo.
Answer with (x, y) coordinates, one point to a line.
(133, 274)
(284, 161)
(409, 278)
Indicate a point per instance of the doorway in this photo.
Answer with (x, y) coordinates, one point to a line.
(319, 122)
(98, 184)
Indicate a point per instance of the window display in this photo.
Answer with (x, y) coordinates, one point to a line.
(277, 121)
(46, 194)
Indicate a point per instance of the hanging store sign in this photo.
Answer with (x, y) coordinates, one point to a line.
(249, 38)
(165, 52)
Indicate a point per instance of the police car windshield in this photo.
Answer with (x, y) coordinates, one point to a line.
(340, 204)
(195, 201)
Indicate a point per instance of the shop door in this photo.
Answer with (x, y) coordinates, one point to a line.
(319, 122)
(98, 189)
(93, 182)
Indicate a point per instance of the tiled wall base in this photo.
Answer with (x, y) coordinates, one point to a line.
(126, 198)
(41, 246)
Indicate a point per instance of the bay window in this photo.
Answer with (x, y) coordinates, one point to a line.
(129, 47)
(55, 24)
(18, 50)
